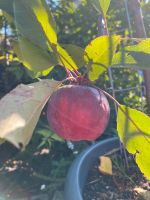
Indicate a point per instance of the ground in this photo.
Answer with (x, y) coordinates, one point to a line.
(32, 175)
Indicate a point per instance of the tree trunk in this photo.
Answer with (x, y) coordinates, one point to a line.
(141, 33)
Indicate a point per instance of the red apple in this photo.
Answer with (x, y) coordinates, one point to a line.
(77, 112)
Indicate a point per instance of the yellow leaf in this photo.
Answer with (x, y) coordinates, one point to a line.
(65, 59)
(99, 52)
(105, 166)
(143, 46)
(104, 4)
(20, 110)
(45, 19)
(46, 71)
(134, 132)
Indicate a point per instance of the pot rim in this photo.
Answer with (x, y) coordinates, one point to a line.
(78, 171)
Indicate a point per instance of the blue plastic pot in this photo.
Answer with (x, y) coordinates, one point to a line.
(78, 172)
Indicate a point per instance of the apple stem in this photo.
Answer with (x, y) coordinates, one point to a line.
(76, 71)
(71, 78)
(69, 74)
(74, 74)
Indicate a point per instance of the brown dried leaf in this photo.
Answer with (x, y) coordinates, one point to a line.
(105, 166)
(21, 108)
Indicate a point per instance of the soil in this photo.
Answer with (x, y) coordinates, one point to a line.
(125, 183)
(35, 174)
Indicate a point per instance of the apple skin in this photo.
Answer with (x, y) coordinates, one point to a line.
(78, 112)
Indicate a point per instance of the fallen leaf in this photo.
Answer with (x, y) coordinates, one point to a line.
(20, 110)
(144, 193)
(105, 166)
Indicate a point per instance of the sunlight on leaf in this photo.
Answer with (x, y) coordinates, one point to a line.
(21, 108)
(104, 4)
(27, 25)
(135, 60)
(46, 71)
(39, 74)
(100, 52)
(45, 19)
(65, 59)
(143, 46)
(32, 19)
(122, 59)
(141, 53)
(135, 137)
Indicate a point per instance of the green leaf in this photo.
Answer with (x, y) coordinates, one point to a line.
(134, 60)
(135, 135)
(96, 5)
(45, 19)
(143, 46)
(123, 59)
(141, 53)
(33, 57)
(32, 21)
(35, 75)
(76, 53)
(143, 59)
(21, 108)
(47, 133)
(99, 53)
(65, 59)
(104, 4)
(27, 24)
(44, 132)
